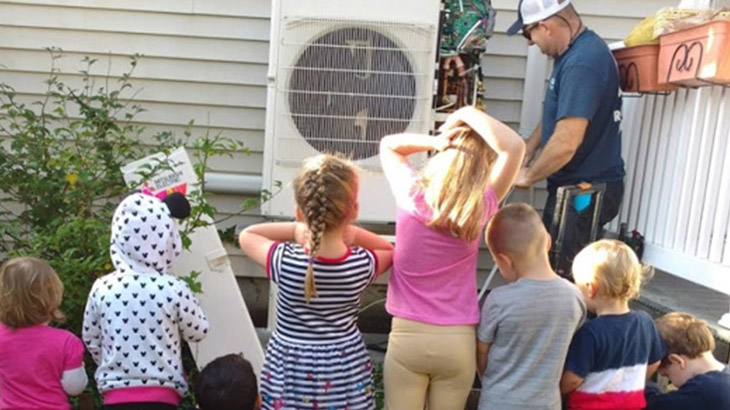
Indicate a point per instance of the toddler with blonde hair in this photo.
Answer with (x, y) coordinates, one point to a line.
(39, 365)
(611, 356)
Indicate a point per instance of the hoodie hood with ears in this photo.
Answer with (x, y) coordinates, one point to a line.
(144, 237)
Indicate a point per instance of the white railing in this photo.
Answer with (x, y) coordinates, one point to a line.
(678, 182)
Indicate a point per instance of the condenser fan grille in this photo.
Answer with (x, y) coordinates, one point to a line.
(349, 86)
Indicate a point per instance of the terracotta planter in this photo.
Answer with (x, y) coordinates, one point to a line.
(696, 56)
(637, 67)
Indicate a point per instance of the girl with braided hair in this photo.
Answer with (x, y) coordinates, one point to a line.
(432, 295)
(316, 358)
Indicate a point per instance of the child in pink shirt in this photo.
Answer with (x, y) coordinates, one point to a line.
(39, 364)
(442, 211)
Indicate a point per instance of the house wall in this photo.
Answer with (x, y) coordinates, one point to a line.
(204, 61)
(207, 61)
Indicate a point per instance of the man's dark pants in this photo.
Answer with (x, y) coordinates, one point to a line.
(578, 224)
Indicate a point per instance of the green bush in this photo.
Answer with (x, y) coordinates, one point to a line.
(60, 177)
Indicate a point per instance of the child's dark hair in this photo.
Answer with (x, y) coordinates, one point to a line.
(227, 382)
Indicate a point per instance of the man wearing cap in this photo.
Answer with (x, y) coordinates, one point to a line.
(579, 133)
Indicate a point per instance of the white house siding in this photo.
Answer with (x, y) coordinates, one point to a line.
(207, 61)
(202, 60)
(678, 194)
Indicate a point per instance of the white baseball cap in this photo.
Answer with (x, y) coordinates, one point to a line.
(532, 11)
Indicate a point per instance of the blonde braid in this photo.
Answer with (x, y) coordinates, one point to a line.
(316, 212)
(326, 194)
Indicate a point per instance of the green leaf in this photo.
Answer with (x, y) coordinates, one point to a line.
(192, 281)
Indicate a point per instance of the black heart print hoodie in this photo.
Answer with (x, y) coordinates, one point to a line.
(137, 315)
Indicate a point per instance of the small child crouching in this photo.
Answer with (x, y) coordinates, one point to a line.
(527, 325)
(612, 355)
(702, 381)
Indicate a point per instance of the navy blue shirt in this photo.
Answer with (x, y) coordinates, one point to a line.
(585, 84)
(709, 391)
(611, 353)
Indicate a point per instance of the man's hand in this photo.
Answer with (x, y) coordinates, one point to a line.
(529, 154)
(522, 180)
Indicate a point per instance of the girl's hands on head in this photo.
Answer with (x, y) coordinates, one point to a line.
(445, 139)
(459, 118)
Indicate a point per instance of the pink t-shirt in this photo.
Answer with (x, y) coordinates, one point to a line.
(434, 275)
(32, 362)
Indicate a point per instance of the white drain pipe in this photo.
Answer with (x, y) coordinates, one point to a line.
(223, 183)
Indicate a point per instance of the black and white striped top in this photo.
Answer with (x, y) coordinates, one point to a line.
(331, 317)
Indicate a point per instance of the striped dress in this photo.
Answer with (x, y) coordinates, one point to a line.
(316, 358)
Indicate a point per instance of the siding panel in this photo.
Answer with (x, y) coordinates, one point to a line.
(122, 21)
(249, 8)
(37, 60)
(99, 42)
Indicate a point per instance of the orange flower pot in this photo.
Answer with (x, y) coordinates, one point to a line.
(637, 67)
(696, 56)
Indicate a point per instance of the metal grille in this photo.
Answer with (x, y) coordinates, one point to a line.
(347, 84)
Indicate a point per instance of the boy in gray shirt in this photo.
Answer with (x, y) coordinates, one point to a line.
(526, 326)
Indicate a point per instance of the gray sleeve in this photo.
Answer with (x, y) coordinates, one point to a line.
(490, 318)
(581, 305)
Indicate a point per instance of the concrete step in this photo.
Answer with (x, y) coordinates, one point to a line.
(667, 293)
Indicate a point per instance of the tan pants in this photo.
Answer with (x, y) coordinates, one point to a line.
(429, 365)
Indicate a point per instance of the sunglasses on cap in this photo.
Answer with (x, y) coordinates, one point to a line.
(527, 29)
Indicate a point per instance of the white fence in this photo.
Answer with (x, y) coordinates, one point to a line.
(678, 181)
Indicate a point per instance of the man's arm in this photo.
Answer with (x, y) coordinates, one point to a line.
(532, 144)
(558, 151)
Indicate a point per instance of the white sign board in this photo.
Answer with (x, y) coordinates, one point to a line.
(231, 328)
